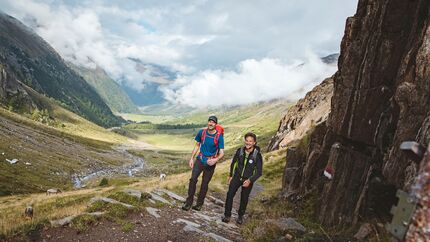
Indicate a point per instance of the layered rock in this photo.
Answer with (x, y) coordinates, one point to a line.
(309, 111)
(381, 97)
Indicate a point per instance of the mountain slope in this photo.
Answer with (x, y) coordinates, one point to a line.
(48, 156)
(33, 62)
(110, 91)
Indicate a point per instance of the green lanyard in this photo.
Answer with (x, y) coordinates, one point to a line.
(244, 164)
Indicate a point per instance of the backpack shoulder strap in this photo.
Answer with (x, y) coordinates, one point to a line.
(216, 138)
(237, 161)
(254, 154)
(202, 138)
(242, 151)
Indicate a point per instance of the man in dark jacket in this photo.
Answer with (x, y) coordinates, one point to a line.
(246, 167)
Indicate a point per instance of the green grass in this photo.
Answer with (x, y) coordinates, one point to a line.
(156, 119)
(151, 126)
(118, 213)
(163, 161)
(83, 222)
(170, 140)
(127, 227)
(35, 142)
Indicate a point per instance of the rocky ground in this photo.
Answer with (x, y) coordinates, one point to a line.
(164, 221)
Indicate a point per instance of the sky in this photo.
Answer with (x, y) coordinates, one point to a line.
(224, 52)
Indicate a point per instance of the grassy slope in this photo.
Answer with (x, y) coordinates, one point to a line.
(54, 152)
(73, 124)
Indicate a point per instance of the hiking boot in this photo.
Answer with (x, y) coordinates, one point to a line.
(225, 219)
(186, 207)
(197, 207)
(239, 220)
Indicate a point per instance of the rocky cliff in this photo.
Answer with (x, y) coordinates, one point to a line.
(381, 97)
(12, 92)
(309, 111)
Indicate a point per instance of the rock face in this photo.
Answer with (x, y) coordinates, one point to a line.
(381, 97)
(13, 91)
(309, 111)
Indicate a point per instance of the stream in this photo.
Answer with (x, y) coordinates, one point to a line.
(80, 179)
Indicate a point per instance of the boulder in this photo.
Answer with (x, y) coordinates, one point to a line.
(286, 224)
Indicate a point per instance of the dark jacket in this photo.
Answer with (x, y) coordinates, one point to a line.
(251, 168)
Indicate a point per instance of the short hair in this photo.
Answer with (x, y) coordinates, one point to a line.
(250, 134)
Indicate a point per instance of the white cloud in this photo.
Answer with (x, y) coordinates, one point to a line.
(203, 40)
(80, 35)
(75, 33)
(253, 81)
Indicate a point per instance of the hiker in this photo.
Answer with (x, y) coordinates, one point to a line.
(246, 167)
(209, 149)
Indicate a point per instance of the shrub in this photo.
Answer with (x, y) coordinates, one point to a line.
(104, 182)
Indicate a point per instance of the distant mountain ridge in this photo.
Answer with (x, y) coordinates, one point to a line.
(32, 61)
(111, 92)
(153, 77)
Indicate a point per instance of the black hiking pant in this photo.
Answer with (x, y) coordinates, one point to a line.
(235, 183)
(208, 172)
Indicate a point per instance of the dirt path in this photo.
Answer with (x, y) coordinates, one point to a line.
(173, 224)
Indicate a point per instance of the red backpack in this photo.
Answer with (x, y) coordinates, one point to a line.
(220, 131)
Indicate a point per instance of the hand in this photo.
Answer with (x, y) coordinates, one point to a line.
(229, 180)
(212, 161)
(246, 183)
(191, 163)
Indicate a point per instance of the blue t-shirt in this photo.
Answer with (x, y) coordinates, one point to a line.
(208, 147)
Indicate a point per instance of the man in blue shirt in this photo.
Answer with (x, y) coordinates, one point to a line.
(209, 149)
